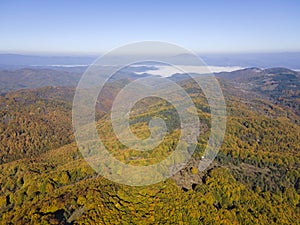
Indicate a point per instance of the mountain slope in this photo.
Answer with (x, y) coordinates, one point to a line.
(280, 85)
(254, 179)
(34, 78)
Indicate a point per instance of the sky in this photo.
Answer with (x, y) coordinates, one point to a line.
(94, 27)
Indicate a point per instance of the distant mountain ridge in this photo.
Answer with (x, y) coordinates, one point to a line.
(262, 60)
(266, 81)
(34, 78)
(281, 85)
(29, 60)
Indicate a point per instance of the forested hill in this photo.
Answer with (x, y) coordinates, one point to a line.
(34, 78)
(255, 179)
(280, 85)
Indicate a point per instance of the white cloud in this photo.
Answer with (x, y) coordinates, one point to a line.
(166, 71)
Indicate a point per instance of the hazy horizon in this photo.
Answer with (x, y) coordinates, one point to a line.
(262, 60)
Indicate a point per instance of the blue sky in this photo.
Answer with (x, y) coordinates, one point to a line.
(92, 27)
